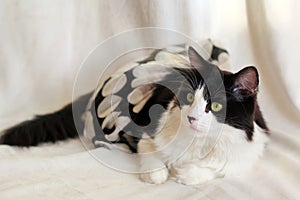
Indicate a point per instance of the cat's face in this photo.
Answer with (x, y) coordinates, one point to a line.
(195, 116)
(210, 95)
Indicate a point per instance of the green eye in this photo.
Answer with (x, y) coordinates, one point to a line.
(190, 97)
(216, 107)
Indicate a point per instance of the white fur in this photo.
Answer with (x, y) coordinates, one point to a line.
(196, 156)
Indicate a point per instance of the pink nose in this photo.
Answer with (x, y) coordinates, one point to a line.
(191, 119)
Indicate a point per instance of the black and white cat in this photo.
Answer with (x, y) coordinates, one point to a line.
(208, 123)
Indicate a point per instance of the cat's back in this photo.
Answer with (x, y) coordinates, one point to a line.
(118, 111)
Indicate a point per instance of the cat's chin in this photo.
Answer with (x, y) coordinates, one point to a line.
(198, 130)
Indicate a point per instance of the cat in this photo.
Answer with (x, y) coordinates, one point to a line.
(208, 123)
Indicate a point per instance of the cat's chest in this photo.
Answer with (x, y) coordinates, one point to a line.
(225, 153)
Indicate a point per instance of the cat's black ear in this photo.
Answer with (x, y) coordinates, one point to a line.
(246, 82)
(195, 59)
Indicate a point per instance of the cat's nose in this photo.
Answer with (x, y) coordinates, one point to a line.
(191, 119)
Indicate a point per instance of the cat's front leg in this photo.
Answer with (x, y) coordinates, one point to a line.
(191, 174)
(152, 168)
(155, 177)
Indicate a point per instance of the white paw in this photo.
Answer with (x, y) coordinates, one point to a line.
(156, 177)
(193, 175)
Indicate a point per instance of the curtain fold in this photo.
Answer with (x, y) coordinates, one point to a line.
(265, 48)
(43, 44)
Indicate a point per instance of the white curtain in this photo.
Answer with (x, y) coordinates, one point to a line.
(43, 43)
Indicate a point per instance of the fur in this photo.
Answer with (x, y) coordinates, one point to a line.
(186, 138)
(203, 146)
(59, 125)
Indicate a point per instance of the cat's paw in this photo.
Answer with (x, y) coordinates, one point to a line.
(193, 175)
(156, 177)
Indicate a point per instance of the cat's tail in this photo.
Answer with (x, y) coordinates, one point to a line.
(59, 125)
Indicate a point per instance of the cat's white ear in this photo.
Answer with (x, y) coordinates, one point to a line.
(195, 59)
(246, 81)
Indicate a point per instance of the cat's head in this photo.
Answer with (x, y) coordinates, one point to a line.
(211, 94)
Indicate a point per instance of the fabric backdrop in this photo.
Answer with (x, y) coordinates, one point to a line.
(43, 43)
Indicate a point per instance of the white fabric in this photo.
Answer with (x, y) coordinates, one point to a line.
(43, 43)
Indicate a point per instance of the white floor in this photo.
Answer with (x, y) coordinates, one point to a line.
(67, 171)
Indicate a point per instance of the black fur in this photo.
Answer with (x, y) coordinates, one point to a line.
(239, 96)
(242, 109)
(52, 127)
(241, 88)
(177, 84)
(216, 51)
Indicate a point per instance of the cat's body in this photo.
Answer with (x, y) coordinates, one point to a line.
(208, 123)
(231, 155)
(196, 154)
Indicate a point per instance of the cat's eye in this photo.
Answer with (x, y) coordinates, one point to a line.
(190, 97)
(216, 107)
